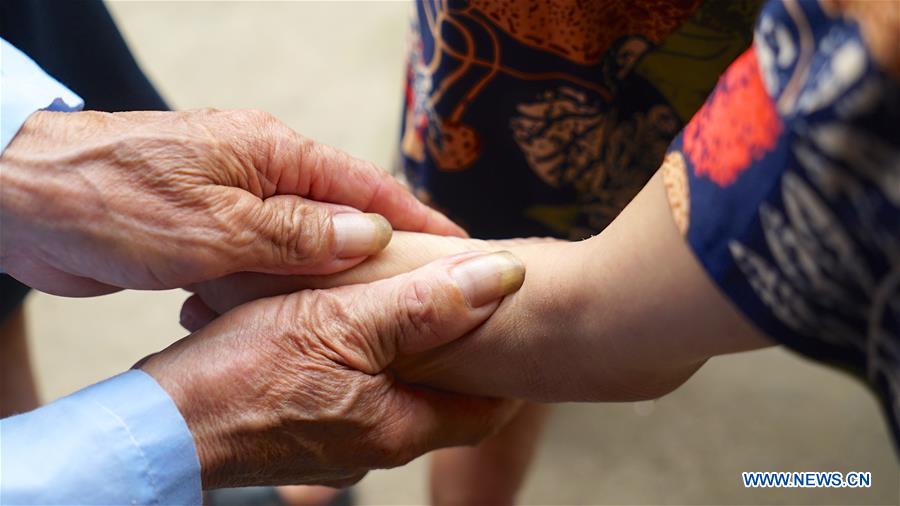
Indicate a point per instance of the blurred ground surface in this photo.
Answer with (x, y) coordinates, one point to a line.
(333, 72)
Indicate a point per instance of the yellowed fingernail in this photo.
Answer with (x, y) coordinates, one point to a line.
(486, 278)
(360, 234)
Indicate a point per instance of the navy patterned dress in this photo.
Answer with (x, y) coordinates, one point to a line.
(776, 125)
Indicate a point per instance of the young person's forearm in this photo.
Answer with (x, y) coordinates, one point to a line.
(406, 251)
(626, 315)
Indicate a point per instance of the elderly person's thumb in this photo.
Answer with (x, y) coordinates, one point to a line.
(287, 234)
(422, 309)
(319, 356)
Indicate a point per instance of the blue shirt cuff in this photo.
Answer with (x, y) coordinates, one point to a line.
(24, 89)
(121, 441)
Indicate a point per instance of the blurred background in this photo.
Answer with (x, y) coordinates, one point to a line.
(333, 72)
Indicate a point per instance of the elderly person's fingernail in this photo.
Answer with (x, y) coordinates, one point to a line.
(486, 278)
(360, 234)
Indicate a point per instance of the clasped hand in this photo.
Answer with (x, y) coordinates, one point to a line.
(297, 388)
(92, 202)
(288, 389)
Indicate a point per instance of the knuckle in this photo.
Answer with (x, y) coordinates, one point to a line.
(420, 316)
(298, 322)
(228, 229)
(286, 232)
(311, 228)
(314, 158)
(297, 234)
(273, 129)
(343, 338)
(268, 133)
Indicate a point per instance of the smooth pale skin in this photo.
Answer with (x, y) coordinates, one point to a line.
(627, 315)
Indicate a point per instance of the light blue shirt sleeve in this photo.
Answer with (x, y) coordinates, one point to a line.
(121, 441)
(25, 88)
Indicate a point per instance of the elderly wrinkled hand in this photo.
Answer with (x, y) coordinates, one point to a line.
(295, 388)
(93, 202)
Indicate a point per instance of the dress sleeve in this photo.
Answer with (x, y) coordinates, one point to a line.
(786, 185)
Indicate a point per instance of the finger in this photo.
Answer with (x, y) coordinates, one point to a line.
(303, 167)
(406, 251)
(422, 309)
(286, 234)
(195, 314)
(431, 419)
(225, 293)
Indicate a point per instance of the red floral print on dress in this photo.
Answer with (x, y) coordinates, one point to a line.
(737, 124)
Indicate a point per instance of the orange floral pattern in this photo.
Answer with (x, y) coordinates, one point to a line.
(583, 31)
(738, 124)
